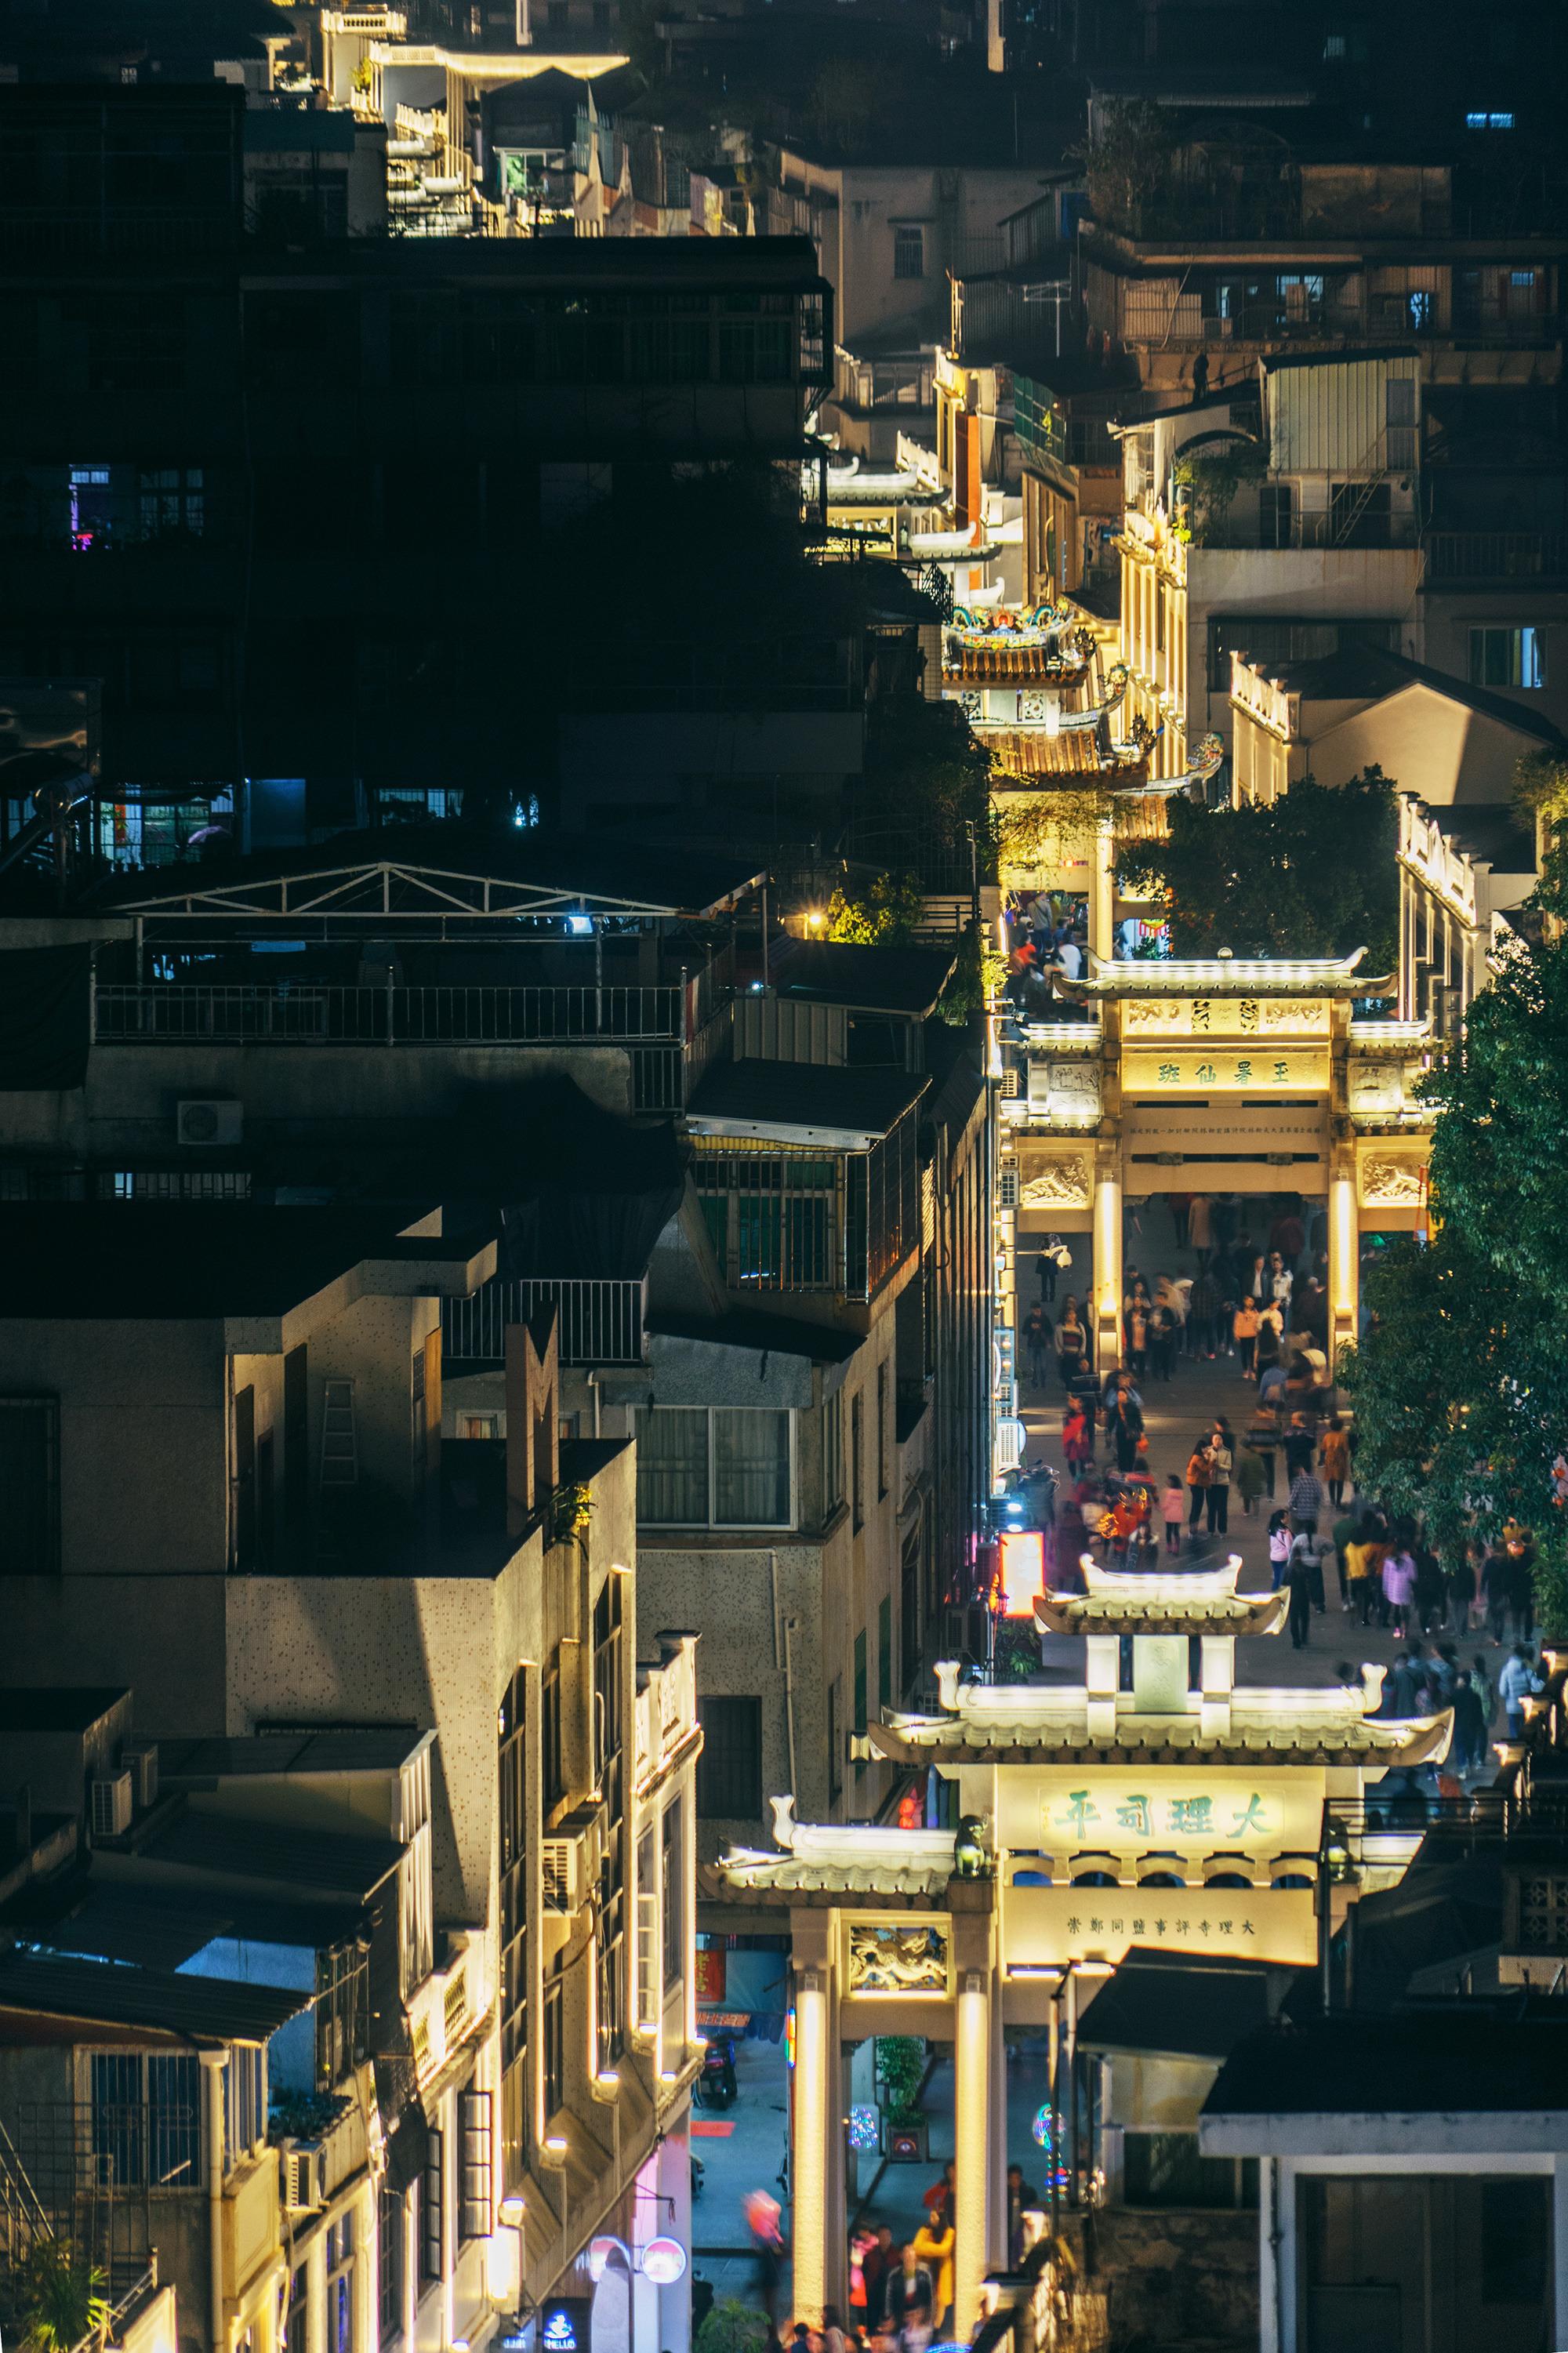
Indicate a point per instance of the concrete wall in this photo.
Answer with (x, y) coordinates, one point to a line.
(128, 1102)
(1427, 744)
(143, 1446)
(1305, 583)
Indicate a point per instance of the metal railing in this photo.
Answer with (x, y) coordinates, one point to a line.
(599, 1321)
(1495, 555)
(305, 1015)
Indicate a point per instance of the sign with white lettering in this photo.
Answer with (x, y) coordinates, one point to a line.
(1225, 1070)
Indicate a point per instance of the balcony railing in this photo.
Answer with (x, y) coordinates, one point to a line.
(286, 1015)
(599, 1321)
(1496, 555)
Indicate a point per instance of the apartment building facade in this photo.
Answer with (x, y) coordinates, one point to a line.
(225, 1452)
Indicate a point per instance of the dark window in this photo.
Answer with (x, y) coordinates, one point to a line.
(730, 1767)
(30, 1483)
(1508, 658)
(1359, 513)
(835, 1737)
(674, 1893)
(909, 251)
(299, 2292)
(609, 1695)
(391, 2225)
(860, 1683)
(474, 2177)
(909, 1607)
(553, 1754)
(341, 2283)
(857, 1462)
(833, 1450)
(882, 1431)
(1275, 523)
(296, 1444)
(555, 2046)
(432, 2219)
(885, 1653)
(245, 1478)
(512, 1762)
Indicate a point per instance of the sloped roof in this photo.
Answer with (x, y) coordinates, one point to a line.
(203, 2007)
(1454, 2058)
(1182, 2005)
(811, 1098)
(870, 979)
(1372, 672)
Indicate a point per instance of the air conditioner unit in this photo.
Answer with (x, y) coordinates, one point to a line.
(571, 1858)
(110, 1805)
(302, 2176)
(140, 1759)
(207, 1121)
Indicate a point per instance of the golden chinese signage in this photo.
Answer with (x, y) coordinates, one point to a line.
(1246, 1018)
(1042, 1926)
(1265, 1069)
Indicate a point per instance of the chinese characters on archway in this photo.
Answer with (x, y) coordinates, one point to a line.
(1234, 1817)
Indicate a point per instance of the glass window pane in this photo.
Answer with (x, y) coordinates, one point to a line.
(750, 1468)
(672, 1465)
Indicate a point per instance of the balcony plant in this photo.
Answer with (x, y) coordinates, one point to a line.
(571, 1510)
(1211, 478)
(900, 2078)
(62, 2302)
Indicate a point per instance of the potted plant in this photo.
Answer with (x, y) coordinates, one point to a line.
(900, 2074)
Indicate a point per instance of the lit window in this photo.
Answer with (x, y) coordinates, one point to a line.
(1489, 122)
(1508, 658)
(1333, 47)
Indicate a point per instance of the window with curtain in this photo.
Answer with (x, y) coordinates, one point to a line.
(672, 1465)
(750, 1468)
(719, 1466)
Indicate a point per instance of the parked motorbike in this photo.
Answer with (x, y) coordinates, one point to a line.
(716, 2086)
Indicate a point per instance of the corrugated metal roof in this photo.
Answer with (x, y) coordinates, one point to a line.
(161, 1928)
(805, 1095)
(231, 1845)
(210, 2009)
(374, 1749)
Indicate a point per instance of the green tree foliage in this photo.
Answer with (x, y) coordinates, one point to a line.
(62, 2300)
(1461, 1383)
(1212, 477)
(732, 2327)
(885, 914)
(1312, 875)
(1128, 166)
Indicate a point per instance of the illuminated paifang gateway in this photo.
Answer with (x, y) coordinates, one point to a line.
(1162, 1807)
(1223, 1075)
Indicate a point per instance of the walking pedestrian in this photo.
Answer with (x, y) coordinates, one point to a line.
(1467, 1751)
(1517, 1682)
(1335, 1456)
(1124, 1423)
(1172, 1505)
(1428, 1589)
(1399, 1588)
(1071, 1343)
(1218, 1499)
(1306, 1500)
(1199, 1474)
(1485, 1690)
(1202, 1307)
(1036, 1339)
(1250, 1475)
(1244, 1331)
(1344, 1535)
(1278, 1547)
(1495, 1583)
(1299, 1567)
